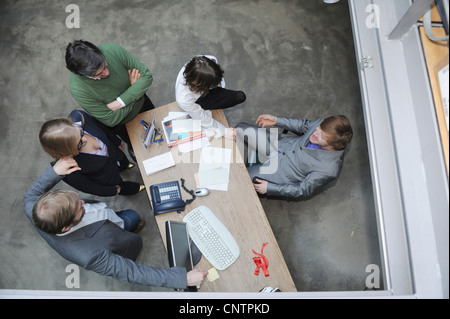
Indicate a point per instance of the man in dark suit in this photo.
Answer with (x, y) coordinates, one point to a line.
(96, 242)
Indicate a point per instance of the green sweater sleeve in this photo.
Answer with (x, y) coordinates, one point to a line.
(138, 89)
(97, 108)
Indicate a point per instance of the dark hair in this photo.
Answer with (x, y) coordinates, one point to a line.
(83, 58)
(202, 74)
(339, 129)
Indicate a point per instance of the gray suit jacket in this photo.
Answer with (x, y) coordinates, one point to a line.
(103, 246)
(300, 171)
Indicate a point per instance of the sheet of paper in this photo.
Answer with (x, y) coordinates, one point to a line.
(217, 187)
(214, 157)
(186, 125)
(158, 163)
(214, 168)
(174, 115)
(213, 176)
(213, 274)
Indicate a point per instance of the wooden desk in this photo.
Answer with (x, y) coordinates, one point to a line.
(239, 209)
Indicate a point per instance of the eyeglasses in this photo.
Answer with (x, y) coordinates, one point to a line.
(80, 143)
(103, 68)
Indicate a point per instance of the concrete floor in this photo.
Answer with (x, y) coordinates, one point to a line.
(292, 58)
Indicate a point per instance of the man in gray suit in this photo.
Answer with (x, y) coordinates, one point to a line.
(298, 165)
(92, 236)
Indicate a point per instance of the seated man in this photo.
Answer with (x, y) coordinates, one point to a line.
(108, 83)
(93, 236)
(298, 165)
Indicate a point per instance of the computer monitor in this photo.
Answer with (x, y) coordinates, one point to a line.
(178, 246)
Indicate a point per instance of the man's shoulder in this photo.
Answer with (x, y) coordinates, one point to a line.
(107, 45)
(110, 48)
(113, 53)
(76, 81)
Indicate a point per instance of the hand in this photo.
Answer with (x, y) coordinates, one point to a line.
(122, 146)
(266, 120)
(118, 189)
(261, 187)
(230, 133)
(196, 276)
(134, 75)
(114, 105)
(65, 166)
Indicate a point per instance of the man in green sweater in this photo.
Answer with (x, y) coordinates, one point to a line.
(108, 83)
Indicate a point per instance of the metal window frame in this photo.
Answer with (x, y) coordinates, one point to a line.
(408, 168)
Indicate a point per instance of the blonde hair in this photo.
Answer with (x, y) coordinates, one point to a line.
(55, 210)
(59, 137)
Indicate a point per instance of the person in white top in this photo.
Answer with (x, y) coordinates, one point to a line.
(200, 88)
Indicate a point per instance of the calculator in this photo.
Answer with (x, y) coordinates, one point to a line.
(166, 197)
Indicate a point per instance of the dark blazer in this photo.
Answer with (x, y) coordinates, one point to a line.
(103, 246)
(98, 174)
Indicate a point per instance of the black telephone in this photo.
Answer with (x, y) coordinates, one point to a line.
(166, 197)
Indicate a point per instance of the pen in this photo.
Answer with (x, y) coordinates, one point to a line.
(144, 123)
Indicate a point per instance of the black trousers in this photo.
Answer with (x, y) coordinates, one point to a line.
(220, 98)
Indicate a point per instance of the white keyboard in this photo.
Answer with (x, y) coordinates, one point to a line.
(211, 237)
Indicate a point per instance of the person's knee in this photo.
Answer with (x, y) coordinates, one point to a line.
(241, 97)
(130, 217)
